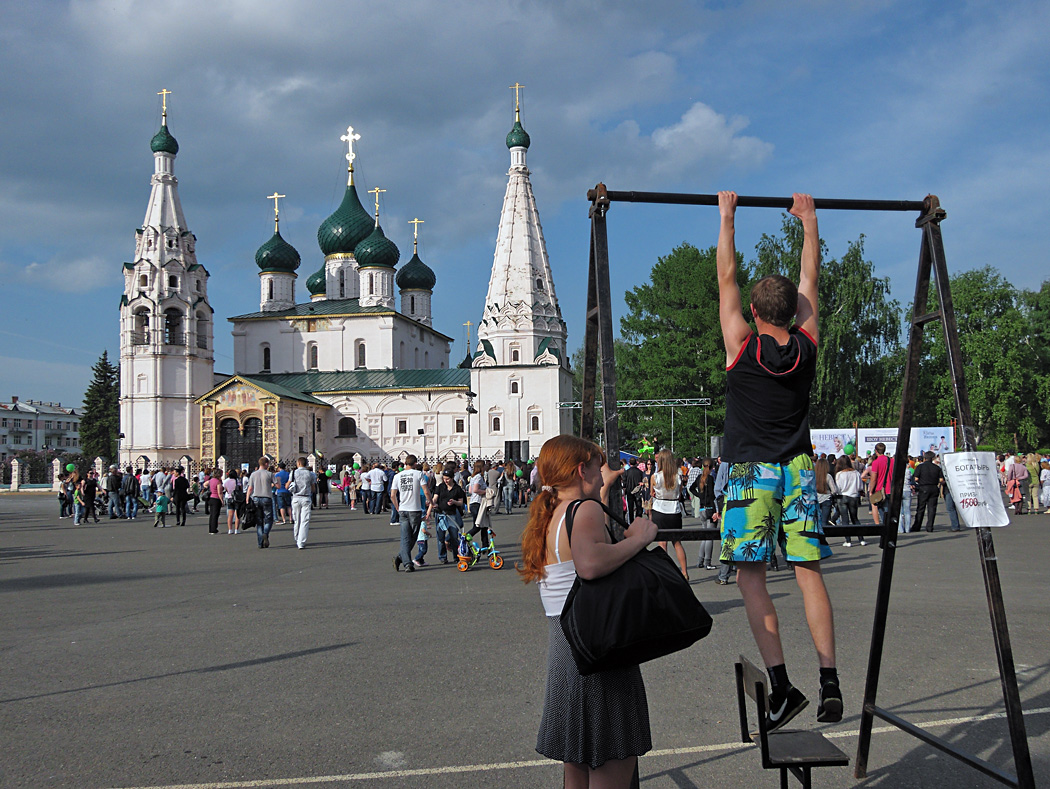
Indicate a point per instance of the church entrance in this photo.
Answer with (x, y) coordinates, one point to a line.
(239, 446)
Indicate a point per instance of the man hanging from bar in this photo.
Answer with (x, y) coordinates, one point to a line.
(771, 497)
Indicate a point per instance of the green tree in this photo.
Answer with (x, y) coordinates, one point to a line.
(999, 363)
(100, 420)
(672, 347)
(859, 366)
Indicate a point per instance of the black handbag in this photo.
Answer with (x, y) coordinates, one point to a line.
(642, 610)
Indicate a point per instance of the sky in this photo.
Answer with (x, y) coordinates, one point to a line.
(875, 100)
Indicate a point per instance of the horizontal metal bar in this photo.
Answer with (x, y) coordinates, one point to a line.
(945, 746)
(745, 201)
(681, 401)
(688, 534)
(922, 320)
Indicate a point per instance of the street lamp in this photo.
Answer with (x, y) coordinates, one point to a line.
(470, 410)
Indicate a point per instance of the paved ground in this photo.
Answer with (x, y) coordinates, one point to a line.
(139, 657)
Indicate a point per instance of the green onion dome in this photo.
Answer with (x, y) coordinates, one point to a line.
(316, 283)
(347, 227)
(518, 137)
(377, 251)
(277, 255)
(163, 142)
(416, 275)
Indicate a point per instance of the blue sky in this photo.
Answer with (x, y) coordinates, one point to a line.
(878, 99)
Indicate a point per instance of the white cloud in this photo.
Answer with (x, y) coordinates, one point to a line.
(72, 275)
(704, 135)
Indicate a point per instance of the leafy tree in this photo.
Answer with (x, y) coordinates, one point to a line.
(859, 366)
(672, 347)
(999, 363)
(100, 421)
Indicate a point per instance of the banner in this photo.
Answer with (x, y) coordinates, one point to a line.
(974, 484)
(868, 437)
(833, 441)
(931, 439)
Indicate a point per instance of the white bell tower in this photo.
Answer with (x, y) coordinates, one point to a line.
(166, 325)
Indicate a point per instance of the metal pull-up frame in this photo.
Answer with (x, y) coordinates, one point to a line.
(598, 348)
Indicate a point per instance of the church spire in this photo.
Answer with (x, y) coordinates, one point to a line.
(522, 321)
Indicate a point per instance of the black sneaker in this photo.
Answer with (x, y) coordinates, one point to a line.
(792, 704)
(397, 563)
(829, 704)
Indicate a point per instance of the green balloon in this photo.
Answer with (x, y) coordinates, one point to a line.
(850, 449)
(517, 473)
(464, 455)
(328, 473)
(357, 466)
(71, 467)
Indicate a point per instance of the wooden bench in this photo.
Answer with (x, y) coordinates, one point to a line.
(797, 751)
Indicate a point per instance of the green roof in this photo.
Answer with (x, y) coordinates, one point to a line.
(416, 275)
(518, 137)
(318, 308)
(347, 227)
(163, 142)
(366, 380)
(377, 251)
(277, 255)
(317, 283)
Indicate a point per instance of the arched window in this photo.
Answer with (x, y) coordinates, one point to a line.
(313, 356)
(197, 286)
(347, 427)
(266, 358)
(173, 282)
(173, 334)
(539, 284)
(371, 284)
(203, 331)
(534, 424)
(342, 284)
(496, 427)
(140, 334)
(269, 294)
(515, 355)
(361, 354)
(513, 387)
(143, 281)
(412, 305)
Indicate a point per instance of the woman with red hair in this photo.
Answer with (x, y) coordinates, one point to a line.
(598, 724)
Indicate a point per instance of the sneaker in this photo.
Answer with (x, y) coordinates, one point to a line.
(723, 582)
(397, 563)
(266, 541)
(863, 542)
(409, 568)
(711, 567)
(792, 704)
(847, 544)
(829, 705)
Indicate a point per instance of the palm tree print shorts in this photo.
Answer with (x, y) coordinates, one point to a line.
(770, 504)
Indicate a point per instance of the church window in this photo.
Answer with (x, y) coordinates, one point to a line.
(197, 286)
(534, 424)
(269, 293)
(360, 354)
(140, 334)
(402, 427)
(515, 355)
(141, 384)
(266, 358)
(347, 427)
(313, 357)
(514, 387)
(342, 284)
(426, 360)
(497, 426)
(202, 331)
(173, 282)
(173, 330)
(539, 284)
(412, 305)
(459, 426)
(143, 281)
(371, 285)
(302, 443)
(416, 358)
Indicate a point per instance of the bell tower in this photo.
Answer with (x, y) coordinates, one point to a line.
(166, 326)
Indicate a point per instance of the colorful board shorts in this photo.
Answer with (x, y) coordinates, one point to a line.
(771, 504)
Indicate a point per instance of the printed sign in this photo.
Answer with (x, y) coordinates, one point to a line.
(244, 467)
(832, 441)
(974, 485)
(867, 438)
(931, 439)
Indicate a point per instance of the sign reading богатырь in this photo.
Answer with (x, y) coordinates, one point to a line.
(974, 485)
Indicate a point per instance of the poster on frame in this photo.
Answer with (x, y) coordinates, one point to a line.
(833, 441)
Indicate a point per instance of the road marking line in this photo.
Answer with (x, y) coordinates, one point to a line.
(481, 768)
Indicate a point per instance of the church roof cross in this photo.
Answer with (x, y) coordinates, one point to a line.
(415, 233)
(350, 138)
(516, 87)
(164, 93)
(276, 211)
(377, 191)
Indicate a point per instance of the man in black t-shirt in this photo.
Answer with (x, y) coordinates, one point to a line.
(928, 479)
(180, 495)
(448, 501)
(632, 480)
(771, 498)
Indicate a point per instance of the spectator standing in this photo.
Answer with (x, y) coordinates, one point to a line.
(848, 482)
(260, 491)
(90, 492)
(180, 495)
(302, 485)
(928, 481)
(214, 491)
(282, 496)
(448, 501)
(407, 495)
(113, 481)
(233, 495)
(667, 503)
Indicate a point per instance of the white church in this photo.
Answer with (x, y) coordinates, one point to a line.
(355, 371)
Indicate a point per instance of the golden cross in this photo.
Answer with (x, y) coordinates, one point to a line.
(517, 103)
(468, 324)
(350, 138)
(276, 210)
(415, 233)
(377, 191)
(164, 93)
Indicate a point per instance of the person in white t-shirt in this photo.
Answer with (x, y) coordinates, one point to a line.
(407, 495)
(378, 477)
(302, 484)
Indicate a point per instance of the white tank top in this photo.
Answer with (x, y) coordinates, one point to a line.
(555, 585)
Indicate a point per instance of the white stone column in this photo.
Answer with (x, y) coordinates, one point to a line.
(56, 475)
(16, 471)
(100, 467)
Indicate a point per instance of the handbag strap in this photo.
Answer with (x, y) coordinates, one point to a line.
(570, 514)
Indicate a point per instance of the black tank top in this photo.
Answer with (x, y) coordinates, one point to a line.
(767, 399)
